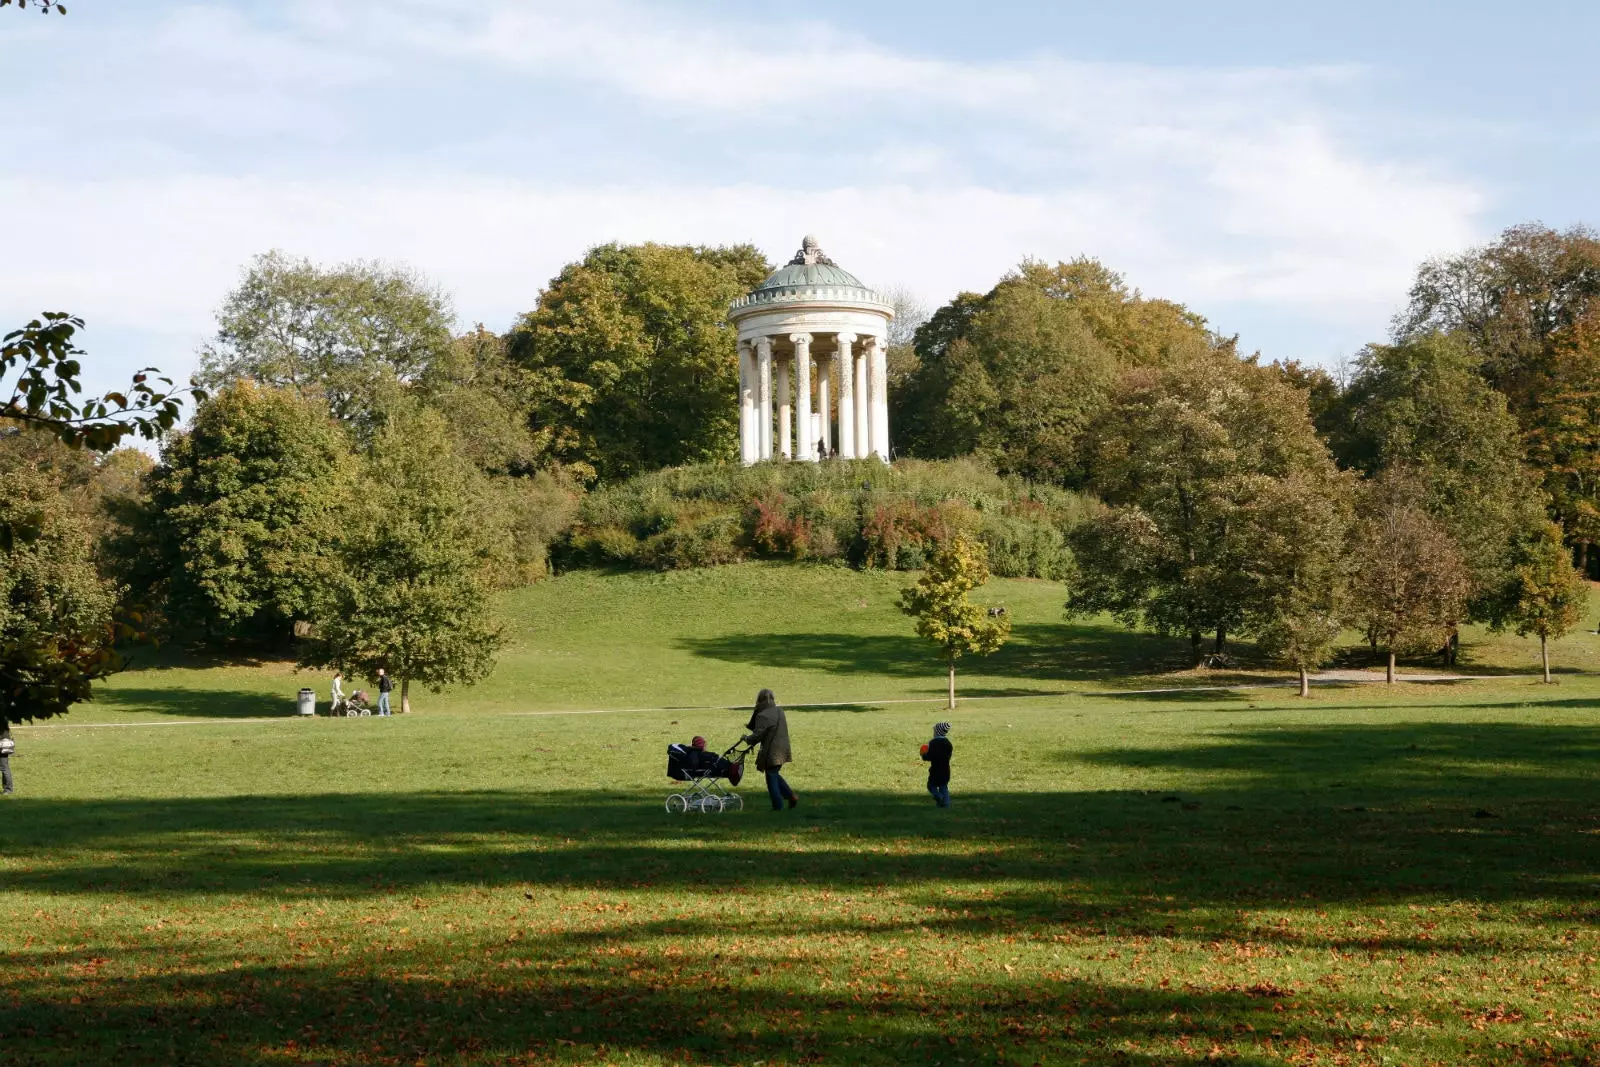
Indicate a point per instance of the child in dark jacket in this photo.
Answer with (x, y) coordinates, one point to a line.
(937, 753)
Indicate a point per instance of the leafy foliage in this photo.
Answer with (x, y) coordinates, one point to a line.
(1410, 583)
(1211, 469)
(635, 363)
(1016, 375)
(955, 625)
(1547, 596)
(349, 336)
(45, 358)
(863, 512)
(241, 513)
(409, 586)
(57, 629)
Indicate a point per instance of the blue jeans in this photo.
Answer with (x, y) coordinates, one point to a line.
(777, 788)
(941, 794)
(383, 703)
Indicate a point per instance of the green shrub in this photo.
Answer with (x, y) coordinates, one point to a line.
(857, 510)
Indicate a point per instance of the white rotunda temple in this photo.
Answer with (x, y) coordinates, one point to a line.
(812, 312)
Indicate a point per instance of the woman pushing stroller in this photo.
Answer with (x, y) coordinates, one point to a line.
(769, 728)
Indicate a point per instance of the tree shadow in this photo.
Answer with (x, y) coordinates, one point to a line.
(1038, 651)
(203, 704)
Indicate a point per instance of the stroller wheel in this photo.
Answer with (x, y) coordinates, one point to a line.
(733, 802)
(676, 804)
(711, 805)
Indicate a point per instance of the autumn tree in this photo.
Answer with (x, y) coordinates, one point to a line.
(351, 336)
(1016, 374)
(1422, 411)
(945, 616)
(635, 365)
(1187, 458)
(1294, 532)
(1547, 595)
(237, 526)
(1409, 582)
(409, 584)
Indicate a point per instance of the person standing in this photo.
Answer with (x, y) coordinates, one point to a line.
(385, 687)
(338, 692)
(936, 753)
(769, 728)
(7, 747)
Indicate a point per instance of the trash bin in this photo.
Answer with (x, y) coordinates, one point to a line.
(308, 702)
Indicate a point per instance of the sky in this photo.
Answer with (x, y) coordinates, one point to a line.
(1280, 170)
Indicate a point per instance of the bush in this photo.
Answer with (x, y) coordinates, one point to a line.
(861, 511)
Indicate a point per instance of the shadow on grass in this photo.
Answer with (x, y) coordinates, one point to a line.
(1039, 651)
(202, 704)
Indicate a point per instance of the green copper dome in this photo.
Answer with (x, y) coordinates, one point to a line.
(809, 276)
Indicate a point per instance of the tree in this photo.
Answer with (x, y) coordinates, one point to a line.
(1016, 374)
(240, 515)
(944, 614)
(410, 587)
(1188, 458)
(634, 362)
(1293, 534)
(1410, 583)
(57, 631)
(349, 336)
(45, 360)
(1548, 596)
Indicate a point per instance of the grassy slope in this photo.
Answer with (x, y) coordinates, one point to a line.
(1139, 879)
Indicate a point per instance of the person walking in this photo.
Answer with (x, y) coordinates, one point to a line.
(936, 753)
(385, 687)
(338, 692)
(770, 729)
(7, 747)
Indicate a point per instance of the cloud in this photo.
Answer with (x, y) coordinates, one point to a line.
(303, 127)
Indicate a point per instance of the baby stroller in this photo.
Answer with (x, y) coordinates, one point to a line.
(354, 705)
(705, 772)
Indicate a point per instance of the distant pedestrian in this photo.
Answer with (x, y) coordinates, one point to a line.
(937, 753)
(7, 747)
(385, 687)
(338, 692)
(770, 729)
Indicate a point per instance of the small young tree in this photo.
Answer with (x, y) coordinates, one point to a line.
(1410, 584)
(944, 614)
(409, 586)
(1548, 595)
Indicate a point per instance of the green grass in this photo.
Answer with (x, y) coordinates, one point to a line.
(1369, 877)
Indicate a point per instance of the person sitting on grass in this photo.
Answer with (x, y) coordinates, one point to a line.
(936, 753)
(770, 729)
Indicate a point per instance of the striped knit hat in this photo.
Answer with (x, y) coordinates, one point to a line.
(940, 729)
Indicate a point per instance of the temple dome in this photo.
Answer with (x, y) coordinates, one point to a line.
(809, 276)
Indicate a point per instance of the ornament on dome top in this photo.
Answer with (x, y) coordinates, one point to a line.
(810, 254)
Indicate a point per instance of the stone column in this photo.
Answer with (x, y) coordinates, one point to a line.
(824, 388)
(863, 400)
(785, 413)
(807, 443)
(764, 405)
(878, 413)
(749, 439)
(847, 398)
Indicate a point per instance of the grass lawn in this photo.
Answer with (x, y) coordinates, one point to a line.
(1368, 877)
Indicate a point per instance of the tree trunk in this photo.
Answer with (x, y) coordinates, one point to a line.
(1194, 647)
(952, 705)
(1305, 682)
(1390, 676)
(1372, 639)
(1222, 640)
(405, 696)
(1455, 646)
(1544, 657)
